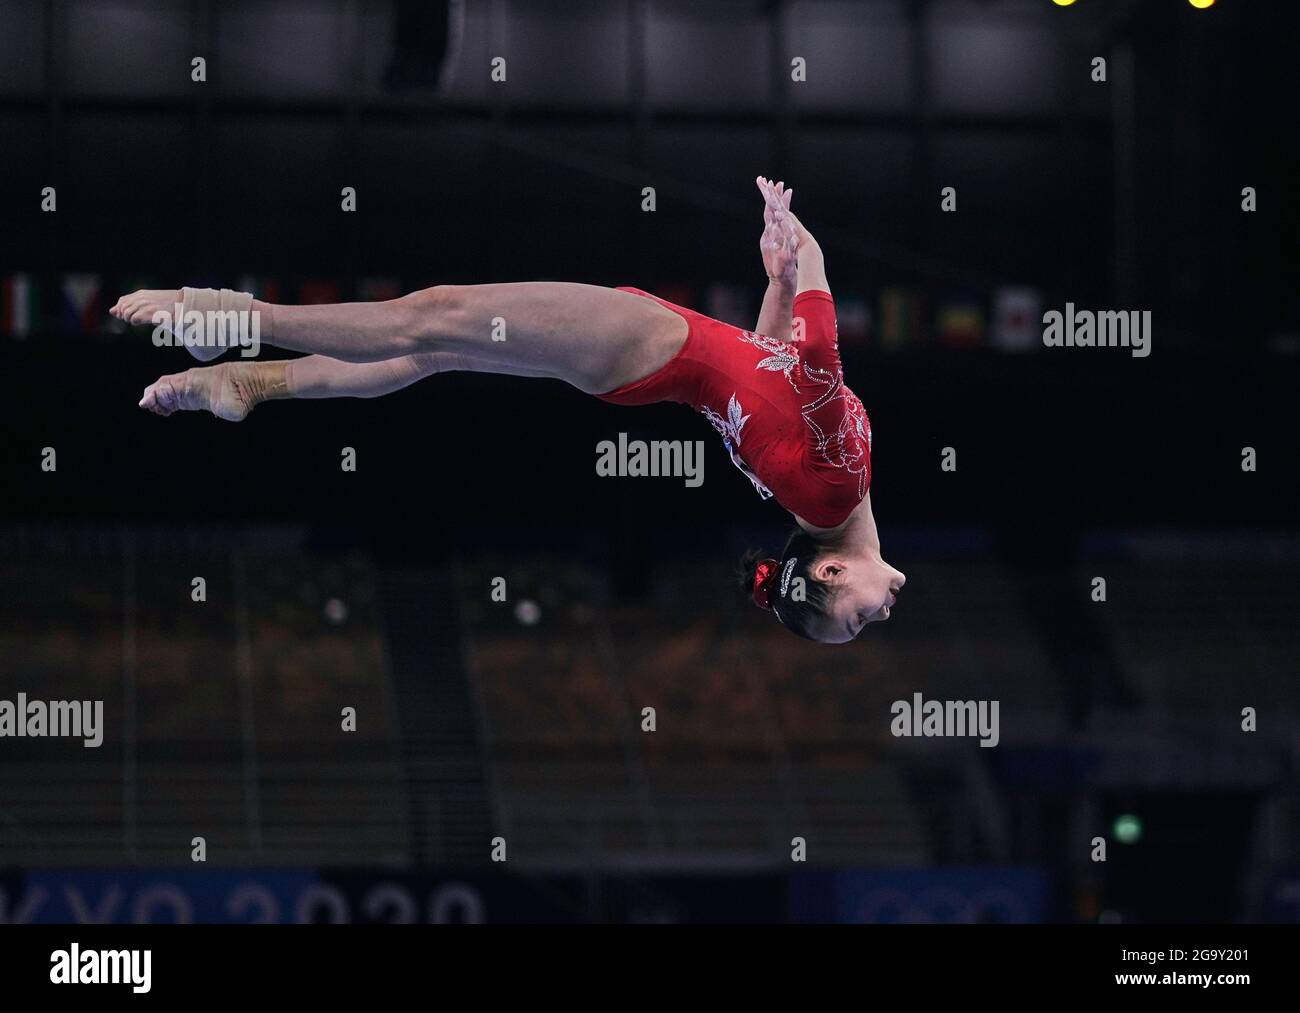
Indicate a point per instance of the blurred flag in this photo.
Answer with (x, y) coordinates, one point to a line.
(378, 289)
(20, 305)
(675, 292)
(1017, 319)
(900, 318)
(317, 291)
(853, 319)
(961, 325)
(131, 283)
(80, 304)
(264, 288)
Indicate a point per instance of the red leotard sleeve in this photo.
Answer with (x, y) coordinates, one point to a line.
(820, 352)
(820, 346)
(838, 448)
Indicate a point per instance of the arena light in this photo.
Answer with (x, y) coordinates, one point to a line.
(1127, 829)
(1201, 5)
(1063, 3)
(336, 612)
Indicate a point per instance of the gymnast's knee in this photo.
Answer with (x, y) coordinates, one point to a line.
(436, 316)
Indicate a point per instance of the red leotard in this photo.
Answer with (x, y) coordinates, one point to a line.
(784, 413)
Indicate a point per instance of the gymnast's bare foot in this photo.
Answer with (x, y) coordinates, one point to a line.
(139, 307)
(176, 308)
(229, 391)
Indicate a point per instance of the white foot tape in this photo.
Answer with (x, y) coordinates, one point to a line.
(219, 332)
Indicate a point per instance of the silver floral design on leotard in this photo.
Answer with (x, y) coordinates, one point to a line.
(842, 448)
(783, 358)
(729, 428)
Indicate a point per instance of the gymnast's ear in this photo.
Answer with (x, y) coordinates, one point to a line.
(827, 569)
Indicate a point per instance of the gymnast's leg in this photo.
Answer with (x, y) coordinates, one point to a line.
(594, 338)
(230, 390)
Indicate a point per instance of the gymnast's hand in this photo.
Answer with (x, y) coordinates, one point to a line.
(778, 242)
(810, 264)
(777, 199)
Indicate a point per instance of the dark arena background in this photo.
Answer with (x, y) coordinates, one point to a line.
(344, 721)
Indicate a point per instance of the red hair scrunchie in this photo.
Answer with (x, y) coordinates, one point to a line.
(764, 575)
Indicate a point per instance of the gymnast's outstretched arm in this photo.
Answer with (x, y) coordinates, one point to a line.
(777, 246)
(810, 264)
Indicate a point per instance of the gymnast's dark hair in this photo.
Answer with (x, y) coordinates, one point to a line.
(767, 583)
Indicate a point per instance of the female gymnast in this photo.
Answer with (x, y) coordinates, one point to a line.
(776, 395)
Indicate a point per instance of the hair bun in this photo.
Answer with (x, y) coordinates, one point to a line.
(764, 576)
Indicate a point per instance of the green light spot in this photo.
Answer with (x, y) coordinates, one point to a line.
(1127, 829)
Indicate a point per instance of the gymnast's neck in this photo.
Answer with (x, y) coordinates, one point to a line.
(857, 534)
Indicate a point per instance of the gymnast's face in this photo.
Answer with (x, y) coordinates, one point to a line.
(865, 591)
